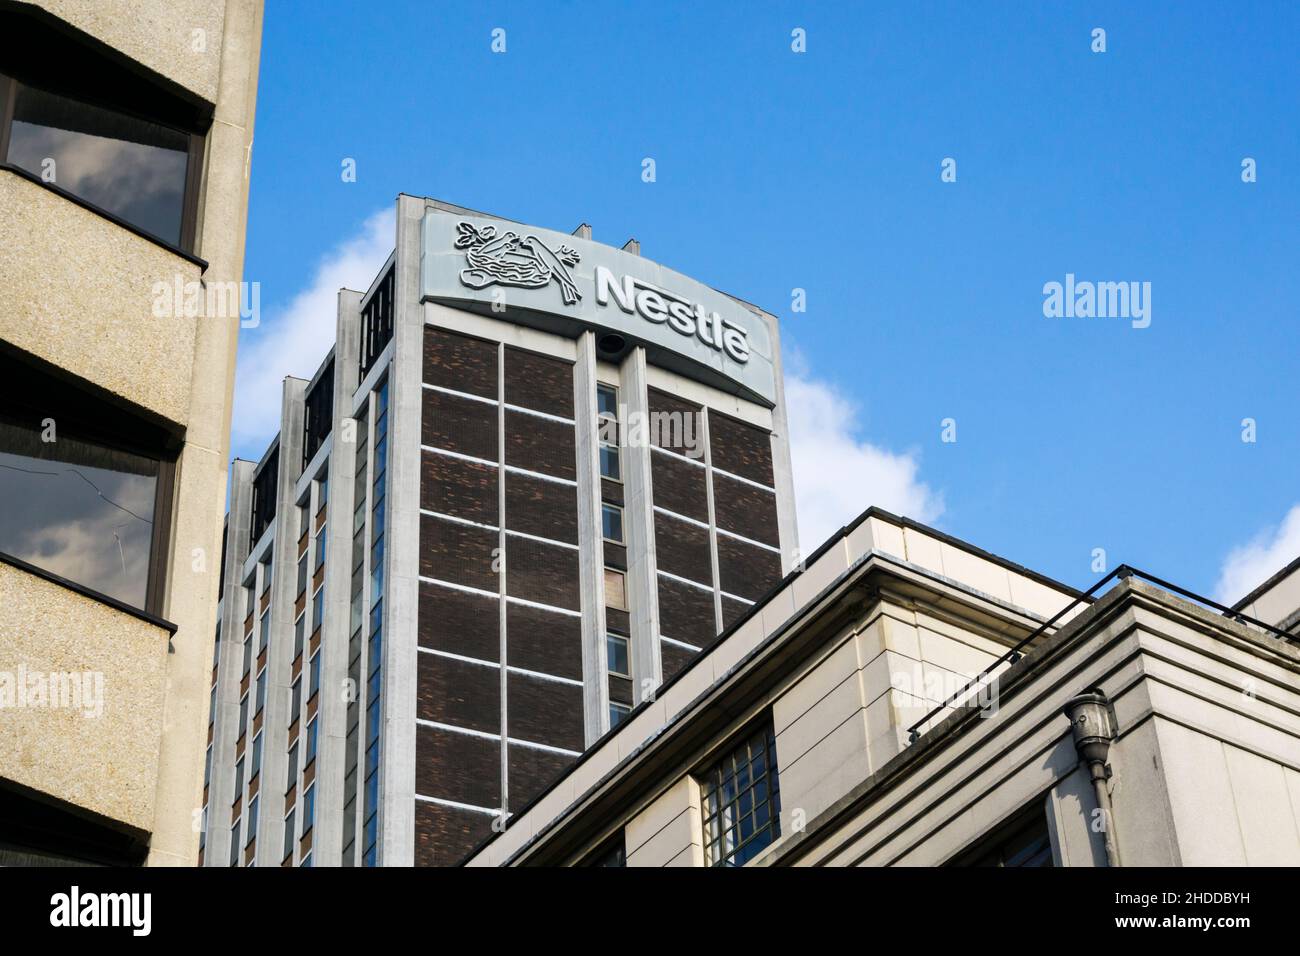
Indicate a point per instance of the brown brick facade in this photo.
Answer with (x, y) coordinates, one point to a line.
(740, 448)
(686, 613)
(680, 486)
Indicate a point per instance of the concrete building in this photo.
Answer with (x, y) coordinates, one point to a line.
(123, 198)
(843, 721)
(532, 480)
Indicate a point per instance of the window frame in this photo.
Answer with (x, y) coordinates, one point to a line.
(612, 634)
(623, 576)
(601, 444)
(623, 709)
(772, 775)
(622, 542)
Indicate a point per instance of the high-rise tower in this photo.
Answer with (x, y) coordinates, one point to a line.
(534, 477)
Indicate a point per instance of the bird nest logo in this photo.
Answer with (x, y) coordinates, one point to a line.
(514, 260)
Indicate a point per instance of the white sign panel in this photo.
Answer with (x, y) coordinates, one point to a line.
(502, 266)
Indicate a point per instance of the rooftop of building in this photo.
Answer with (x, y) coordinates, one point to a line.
(1031, 609)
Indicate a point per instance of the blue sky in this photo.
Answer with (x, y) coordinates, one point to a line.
(821, 171)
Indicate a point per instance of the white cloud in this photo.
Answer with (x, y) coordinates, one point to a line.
(1250, 565)
(837, 475)
(294, 340)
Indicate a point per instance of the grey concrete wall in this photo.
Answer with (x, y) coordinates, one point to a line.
(638, 528)
(591, 565)
(402, 552)
(221, 787)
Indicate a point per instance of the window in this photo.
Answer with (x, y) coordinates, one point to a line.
(1023, 842)
(377, 323)
(607, 401)
(298, 627)
(318, 412)
(119, 143)
(311, 741)
(616, 650)
(239, 780)
(607, 431)
(243, 715)
(320, 548)
(252, 819)
(295, 702)
(293, 767)
(617, 712)
(257, 757)
(248, 655)
(611, 517)
(264, 483)
(314, 677)
(94, 486)
(317, 609)
(261, 692)
(234, 844)
(613, 853)
(264, 631)
(288, 835)
(302, 574)
(742, 801)
(615, 591)
(308, 809)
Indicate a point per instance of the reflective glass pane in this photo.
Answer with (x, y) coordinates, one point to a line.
(129, 167)
(86, 511)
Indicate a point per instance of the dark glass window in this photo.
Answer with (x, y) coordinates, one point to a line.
(377, 323)
(609, 464)
(742, 801)
(293, 767)
(612, 523)
(617, 712)
(311, 741)
(616, 647)
(607, 431)
(253, 807)
(80, 495)
(126, 166)
(104, 133)
(318, 412)
(288, 834)
(264, 487)
(613, 853)
(1022, 842)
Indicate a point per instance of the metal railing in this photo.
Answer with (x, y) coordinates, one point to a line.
(1122, 572)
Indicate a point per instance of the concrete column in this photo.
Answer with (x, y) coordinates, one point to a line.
(713, 521)
(402, 577)
(279, 654)
(782, 475)
(639, 529)
(591, 565)
(331, 757)
(221, 786)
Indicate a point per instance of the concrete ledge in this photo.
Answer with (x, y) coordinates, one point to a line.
(104, 669)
